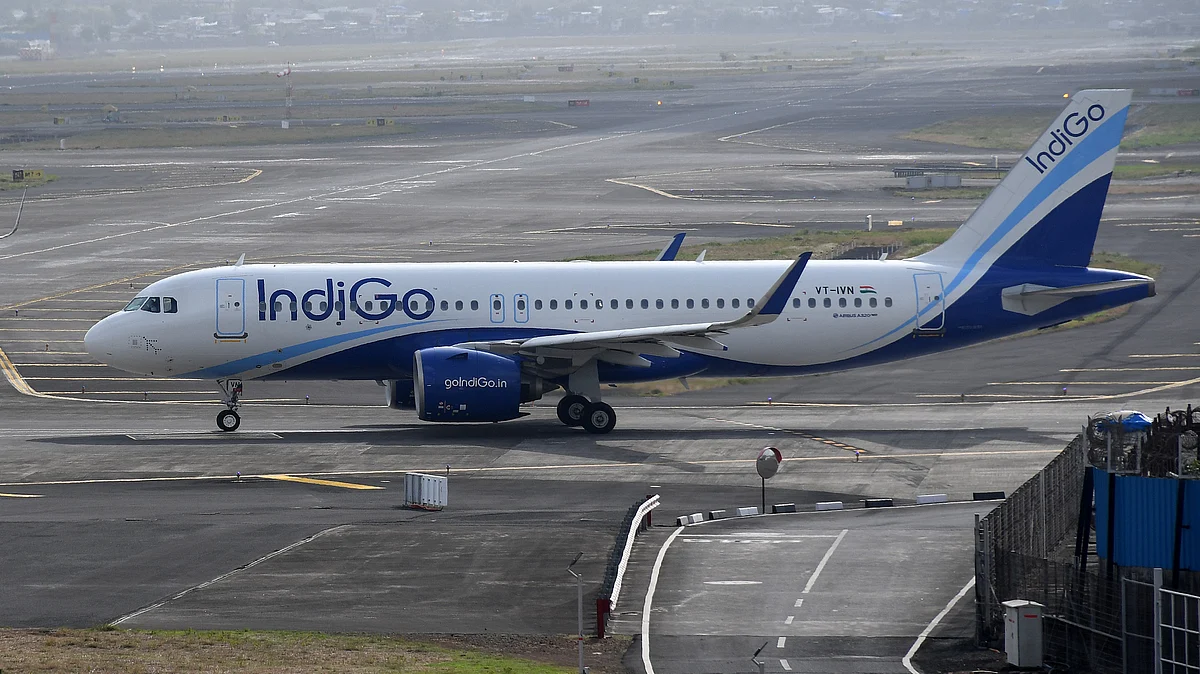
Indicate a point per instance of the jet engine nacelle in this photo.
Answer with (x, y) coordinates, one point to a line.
(453, 384)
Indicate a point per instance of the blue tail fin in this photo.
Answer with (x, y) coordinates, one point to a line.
(1047, 209)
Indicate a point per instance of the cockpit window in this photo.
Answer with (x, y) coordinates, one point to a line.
(170, 306)
(136, 303)
(153, 305)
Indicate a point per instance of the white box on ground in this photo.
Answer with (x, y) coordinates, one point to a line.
(923, 499)
(683, 520)
(697, 517)
(830, 505)
(1023, 632)
(426, 491)
(743, 512)
(716, 514)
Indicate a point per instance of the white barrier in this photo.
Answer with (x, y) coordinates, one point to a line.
(923, 499)
(716, 514)
(697, 518)
(643, 510)
(830, 505)
(745, 512)
(683, 521)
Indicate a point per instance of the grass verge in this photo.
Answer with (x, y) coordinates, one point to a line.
(1151, 125)
(823, 244)
(1141, 171)
(111, 139)
(138, 651)
(941, 192)
(6, 181)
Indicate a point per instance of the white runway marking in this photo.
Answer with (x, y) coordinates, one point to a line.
(784, 663)
(650, 601)
(799, 602)
(733, 582)
(782, 641)
(789, 620)
(907, 659)
(824, 560)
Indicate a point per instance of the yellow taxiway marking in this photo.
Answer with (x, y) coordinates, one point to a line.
(252, 176)
(108, 378)
(1164, 355)
(1127, 369)
(1079, 383)
(14, 377)
(441, 470)
(2, 495)
(323, 483)
(803, 434)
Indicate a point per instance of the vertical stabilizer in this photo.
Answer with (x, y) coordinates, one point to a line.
(1047, 209)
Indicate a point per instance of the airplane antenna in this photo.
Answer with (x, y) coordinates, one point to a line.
(241, 260)
(19, 209)
(700, 257)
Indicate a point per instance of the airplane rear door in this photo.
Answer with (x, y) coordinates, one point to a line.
(231, 308)
(931, 303)
(497, 305)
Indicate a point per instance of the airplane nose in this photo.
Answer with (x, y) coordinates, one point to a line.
(98, 341)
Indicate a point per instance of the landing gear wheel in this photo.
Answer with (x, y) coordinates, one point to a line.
(571, 409)
(228, 420)
(599, 418)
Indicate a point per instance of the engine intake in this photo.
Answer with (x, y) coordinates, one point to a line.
(455, 384)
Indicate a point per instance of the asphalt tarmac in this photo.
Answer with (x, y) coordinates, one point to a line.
(120, 502)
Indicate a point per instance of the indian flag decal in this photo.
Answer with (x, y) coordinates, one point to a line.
(866, 290)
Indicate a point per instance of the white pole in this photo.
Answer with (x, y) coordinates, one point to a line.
(579, 587)
(1158, 583)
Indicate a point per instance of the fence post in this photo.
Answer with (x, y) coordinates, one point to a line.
(1042, 490)
(1158, 585)
(1124, 630)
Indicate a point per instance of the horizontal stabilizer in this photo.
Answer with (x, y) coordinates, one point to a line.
(1031, 299)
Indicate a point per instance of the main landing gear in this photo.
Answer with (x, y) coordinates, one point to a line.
(594, 417)
(231, 393)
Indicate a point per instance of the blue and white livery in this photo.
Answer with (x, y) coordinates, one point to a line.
(473, 341)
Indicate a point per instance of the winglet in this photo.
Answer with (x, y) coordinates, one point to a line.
(241, 261)
(668, 254)
(773, 302)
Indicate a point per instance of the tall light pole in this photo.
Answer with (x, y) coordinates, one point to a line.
(579, 584)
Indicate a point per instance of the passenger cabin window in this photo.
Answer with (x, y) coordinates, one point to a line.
(445, 306)
(720, 302)
(674, 304)
(858, 301)
(496, 305)
(553, 305)
(152, 305)
(812, 303)
(691, 304)
(613, 304)
(135, 304)
(750, 302)
(873, 302)
(474, 305)
(658, 304)
(567, 304)
(795, 302)
(645, 304)
(628, 304)
(887, 301)
(458, 305)
(170, 306)
(828, 302)
(537, 304)
(583, 304)
(734, 303)
(842, 302)
(704, 303)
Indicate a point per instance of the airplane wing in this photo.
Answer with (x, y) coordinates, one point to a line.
(627, 346)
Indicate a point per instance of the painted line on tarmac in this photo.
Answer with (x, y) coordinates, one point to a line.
(15, 379)
(650, 600)
(803, 434)
(907, 659)
(812, 580)
(20, 495)
(252, 176)
(498, 469)
(323, 483)
(201, 586)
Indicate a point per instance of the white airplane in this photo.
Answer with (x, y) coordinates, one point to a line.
(473, 341)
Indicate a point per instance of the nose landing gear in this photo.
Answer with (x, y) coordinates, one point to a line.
(231, 392)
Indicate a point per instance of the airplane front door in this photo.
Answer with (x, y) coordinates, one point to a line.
(231, 308)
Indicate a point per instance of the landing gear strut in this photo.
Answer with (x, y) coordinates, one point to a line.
(231, 394)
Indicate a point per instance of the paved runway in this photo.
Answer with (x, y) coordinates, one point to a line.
(134, 505)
